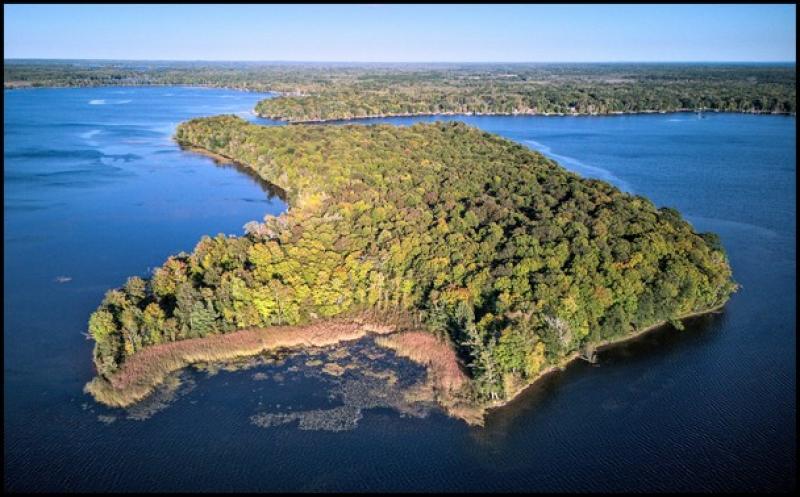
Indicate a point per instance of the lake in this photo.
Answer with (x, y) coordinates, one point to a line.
(95, 191)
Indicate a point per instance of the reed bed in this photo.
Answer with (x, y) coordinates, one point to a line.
(445, 374)
(146, 369)
(437, 355)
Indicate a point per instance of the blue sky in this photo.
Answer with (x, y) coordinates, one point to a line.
(403, 33)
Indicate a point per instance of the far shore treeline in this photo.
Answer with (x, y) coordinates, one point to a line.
(496, 249)
(327, 91)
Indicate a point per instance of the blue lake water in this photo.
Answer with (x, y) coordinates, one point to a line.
(96, 191)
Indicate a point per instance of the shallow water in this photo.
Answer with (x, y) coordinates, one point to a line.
(96, 191)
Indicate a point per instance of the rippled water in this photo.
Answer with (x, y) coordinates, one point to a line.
(96, 191)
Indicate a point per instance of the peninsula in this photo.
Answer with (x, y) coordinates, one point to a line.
(437, 232)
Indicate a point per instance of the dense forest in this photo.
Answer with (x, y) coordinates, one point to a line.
(494, 247)
(639, 89)
(314, 92)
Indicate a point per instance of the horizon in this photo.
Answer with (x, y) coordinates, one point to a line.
(403, 33)
(442, 62)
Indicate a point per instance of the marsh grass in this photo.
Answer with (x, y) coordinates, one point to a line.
(148, 368)
(447, 381)
(437, 355)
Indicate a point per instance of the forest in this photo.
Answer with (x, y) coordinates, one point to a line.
(515, 261)
(319, 92)
(638, 89)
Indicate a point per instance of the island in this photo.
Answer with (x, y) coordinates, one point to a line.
(467, 252)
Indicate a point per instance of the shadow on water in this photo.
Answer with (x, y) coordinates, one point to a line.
(661, 342)
(273, 191)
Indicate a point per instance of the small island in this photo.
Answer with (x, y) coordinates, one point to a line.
(463, 251)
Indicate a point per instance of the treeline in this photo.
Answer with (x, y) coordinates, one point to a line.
(343, 91)
(561, 99)
(558, 89)
(515, 260)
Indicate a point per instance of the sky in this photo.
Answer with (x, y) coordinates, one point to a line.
(403, 33)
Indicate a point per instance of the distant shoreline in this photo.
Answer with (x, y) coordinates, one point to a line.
(7, 86)
(277, 93)
(523, 114)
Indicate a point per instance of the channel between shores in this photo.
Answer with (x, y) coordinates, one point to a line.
(17, 85)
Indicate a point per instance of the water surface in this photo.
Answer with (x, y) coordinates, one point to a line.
(95, 191)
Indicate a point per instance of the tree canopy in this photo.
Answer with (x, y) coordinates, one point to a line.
(511, 257)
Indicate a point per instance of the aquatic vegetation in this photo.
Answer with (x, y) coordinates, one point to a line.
(342, 418)
(333, 369)
(368, 386)
(170, 389)
(103, 418)
(142, 372)
(435, 353)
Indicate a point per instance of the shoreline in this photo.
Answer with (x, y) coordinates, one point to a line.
(142, 85)
(278, 94)
(599, 347)
(144, 371)
(520, 114)
(446, 373)
(271, 189)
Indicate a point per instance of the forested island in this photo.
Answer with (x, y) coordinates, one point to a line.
(470, 253)
(321, 92)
